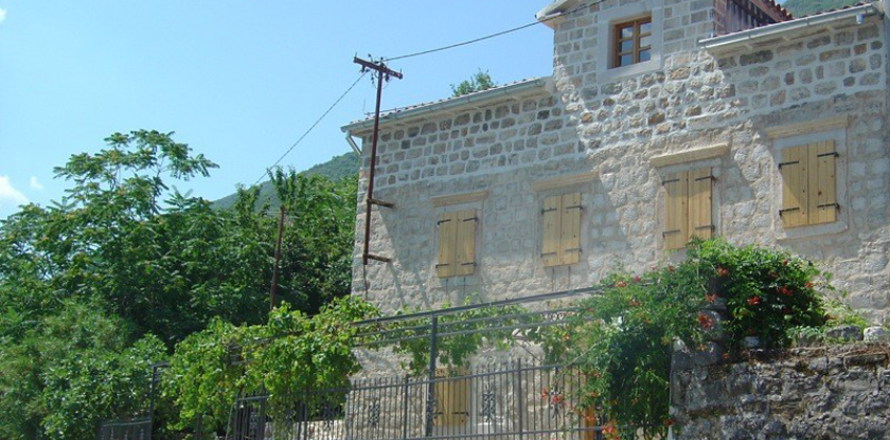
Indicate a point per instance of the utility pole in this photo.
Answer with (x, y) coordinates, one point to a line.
(274, 290)
(383, 74)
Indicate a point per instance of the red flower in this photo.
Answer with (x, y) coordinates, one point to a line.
(721, 272)
(711, 299)
(753, 301)
(784, 291)
(636, 278)
(704, 321)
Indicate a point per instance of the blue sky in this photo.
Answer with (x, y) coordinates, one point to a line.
(237, 80)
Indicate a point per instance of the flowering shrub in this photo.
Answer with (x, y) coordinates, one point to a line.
(767, 292)
(623, 337)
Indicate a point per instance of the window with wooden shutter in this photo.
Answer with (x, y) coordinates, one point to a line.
(688, 211)
(452, 392)
(457, 243)
(822, 182)
(562, 230)
(701, 222)
(809, 184)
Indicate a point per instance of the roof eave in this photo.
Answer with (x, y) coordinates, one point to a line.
(473, 99)
(740, 39)
(549, 14)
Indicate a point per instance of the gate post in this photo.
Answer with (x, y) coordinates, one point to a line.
(431, 376)
(520, 397)
(405, 410)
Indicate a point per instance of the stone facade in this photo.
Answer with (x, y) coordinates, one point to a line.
(744, 100)
(841, 392)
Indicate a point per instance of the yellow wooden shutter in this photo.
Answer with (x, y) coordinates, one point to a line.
(447, 228)
(452, 398)
(701, 223)
(465, 263)
(570, 229)
(822, 184)
(440, 390)
(551, 237)
(676, 222)
(793, 168)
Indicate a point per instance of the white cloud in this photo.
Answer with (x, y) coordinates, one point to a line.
(34, 184)
(2, 15)
(10, 196)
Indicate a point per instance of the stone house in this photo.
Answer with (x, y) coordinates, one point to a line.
(663, 120)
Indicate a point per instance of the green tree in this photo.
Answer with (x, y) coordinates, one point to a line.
(128, 259)
(71, 370)
(478, 82)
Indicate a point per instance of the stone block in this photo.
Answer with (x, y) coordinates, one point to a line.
(876, 334)
(844, 333)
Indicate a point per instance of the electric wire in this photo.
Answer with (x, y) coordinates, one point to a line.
(312, 127)
(421, 53)
(490, 36)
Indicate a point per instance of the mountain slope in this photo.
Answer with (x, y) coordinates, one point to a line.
(335, 169)
(800, 8)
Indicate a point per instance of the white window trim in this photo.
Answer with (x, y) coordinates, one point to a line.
(605, 34)
(839, 135)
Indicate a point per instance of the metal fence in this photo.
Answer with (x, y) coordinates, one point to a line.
(140, 427)
(514, 400)
(132, 429)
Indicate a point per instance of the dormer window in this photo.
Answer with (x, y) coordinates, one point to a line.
(633, 42)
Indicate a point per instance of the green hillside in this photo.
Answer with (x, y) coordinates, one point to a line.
(800, 8)
(334, 169)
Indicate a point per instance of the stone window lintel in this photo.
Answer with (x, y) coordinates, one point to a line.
(456, 199)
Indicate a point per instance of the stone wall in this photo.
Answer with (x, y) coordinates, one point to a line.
(840, 392)
(594, 120)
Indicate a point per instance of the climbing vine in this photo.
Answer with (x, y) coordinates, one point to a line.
(463, 334)
(290, 354)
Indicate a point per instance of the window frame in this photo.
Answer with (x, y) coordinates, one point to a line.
(608, 18)
(636, 37)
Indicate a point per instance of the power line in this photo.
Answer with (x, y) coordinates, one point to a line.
(490, 36)
(317, 121)
(421, 53)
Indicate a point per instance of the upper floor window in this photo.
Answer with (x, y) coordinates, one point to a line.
(633, 42)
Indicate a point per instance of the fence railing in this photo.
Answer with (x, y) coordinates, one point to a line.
(132, 429)
(513, 400)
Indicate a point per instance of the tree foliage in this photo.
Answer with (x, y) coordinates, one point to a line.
(292, 353)
(478, 82)
(99, 285)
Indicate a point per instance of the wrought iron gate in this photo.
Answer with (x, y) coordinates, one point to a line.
(514, 400)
